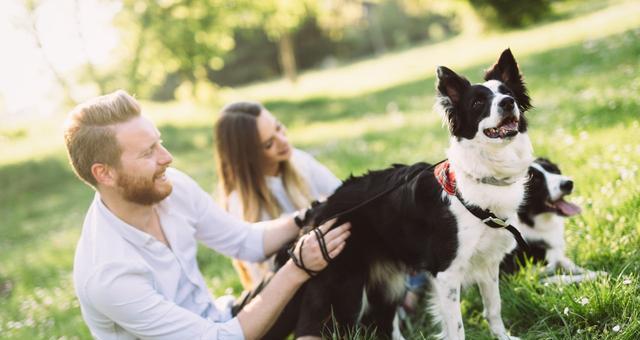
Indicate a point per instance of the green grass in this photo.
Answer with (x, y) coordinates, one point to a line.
(586, 118)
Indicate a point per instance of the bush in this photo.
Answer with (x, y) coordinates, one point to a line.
(511, 14)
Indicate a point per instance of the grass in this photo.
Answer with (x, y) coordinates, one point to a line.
(586, 118)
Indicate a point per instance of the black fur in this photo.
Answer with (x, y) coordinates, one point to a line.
(534, 204)
(466, 105)
(506, 70)
(410, 227)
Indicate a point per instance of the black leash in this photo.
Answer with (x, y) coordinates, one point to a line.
(298, 260)
(485, 215)
(491, 220)
(300, 222)
(383, 193)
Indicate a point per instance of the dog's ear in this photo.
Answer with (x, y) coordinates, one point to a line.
(506, 70)
(451, 85)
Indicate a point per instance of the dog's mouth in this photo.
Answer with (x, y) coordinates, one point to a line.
(508, 127)
(562, 207)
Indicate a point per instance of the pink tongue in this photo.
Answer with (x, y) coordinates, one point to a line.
(511, 126)
(567, 208)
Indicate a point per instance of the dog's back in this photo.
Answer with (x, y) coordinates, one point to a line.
(395, 226)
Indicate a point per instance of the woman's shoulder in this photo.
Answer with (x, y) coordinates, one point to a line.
(302, 160)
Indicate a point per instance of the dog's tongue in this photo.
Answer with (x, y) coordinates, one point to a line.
(567, 208)
(508, 130)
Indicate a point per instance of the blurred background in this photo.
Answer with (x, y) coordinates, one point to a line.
(353, 80)
(60, 52)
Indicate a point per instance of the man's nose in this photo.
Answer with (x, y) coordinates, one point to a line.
(165, 156)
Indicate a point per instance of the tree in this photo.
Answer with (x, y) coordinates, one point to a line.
(31, 7)
(177, 37)
(280, 20)
(511, 14)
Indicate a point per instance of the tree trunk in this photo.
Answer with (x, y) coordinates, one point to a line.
(375, 29)
(33, 29)
(90, 68)
(287, 57)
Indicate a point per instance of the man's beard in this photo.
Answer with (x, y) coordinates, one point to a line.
(142, 190)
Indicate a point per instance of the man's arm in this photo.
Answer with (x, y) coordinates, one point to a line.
(260, 314)
(278, 233)
(125, 294)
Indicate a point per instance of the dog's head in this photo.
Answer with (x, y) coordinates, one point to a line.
(492, 111)
(547, 189)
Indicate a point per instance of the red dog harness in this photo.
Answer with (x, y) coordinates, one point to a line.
(446, 177)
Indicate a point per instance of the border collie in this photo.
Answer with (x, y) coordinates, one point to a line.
(542, 217)
(406, 217)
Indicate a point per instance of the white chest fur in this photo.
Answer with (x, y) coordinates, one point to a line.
(480, 247)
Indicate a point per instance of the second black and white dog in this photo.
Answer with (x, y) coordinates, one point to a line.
(542, 217)
(415, 218)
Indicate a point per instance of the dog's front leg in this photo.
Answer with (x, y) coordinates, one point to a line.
(446, 304)
(490, 292)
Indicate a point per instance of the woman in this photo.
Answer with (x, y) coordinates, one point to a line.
(261, 175)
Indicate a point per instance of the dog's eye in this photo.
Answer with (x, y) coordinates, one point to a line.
(478, 102)
(504, 90)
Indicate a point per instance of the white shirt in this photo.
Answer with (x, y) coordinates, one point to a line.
(322, 183)
(132, 286)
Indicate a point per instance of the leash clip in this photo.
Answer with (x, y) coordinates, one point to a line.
(495, 220)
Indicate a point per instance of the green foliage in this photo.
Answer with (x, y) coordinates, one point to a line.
(254, 56)
(181, 37)
(511, 14)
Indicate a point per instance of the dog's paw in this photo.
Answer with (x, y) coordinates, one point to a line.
(506, 336)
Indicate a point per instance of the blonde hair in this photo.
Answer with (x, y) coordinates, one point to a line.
(89, 135)
(240, 164)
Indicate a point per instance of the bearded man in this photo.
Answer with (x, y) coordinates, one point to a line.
(135, 271)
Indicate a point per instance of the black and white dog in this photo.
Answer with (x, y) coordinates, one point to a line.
(542, 217)
(409, 217)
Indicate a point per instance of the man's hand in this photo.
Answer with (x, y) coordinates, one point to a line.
(260, 314)
(335, 240)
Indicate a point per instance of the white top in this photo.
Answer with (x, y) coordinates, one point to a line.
(132, 286)
(322, 183)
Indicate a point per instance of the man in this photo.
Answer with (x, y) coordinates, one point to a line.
(135, 269)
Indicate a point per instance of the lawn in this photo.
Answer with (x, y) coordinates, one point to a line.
(585, 84)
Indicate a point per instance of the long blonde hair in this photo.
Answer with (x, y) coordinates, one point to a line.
(240, 164)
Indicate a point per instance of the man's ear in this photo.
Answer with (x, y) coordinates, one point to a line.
(104, 174)
(451, 85)
(506, 70)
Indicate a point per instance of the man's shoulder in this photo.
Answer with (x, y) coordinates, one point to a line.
(184, 187)
(100, 245)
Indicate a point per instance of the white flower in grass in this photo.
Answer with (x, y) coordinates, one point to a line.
(566, 311)
(616, 328)
(583, 301)
(626, 282)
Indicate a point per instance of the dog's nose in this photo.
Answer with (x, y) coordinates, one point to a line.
(566, 186)
(506, 104)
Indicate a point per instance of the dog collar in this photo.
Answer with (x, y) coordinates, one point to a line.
(447, 180)
(501, 182)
